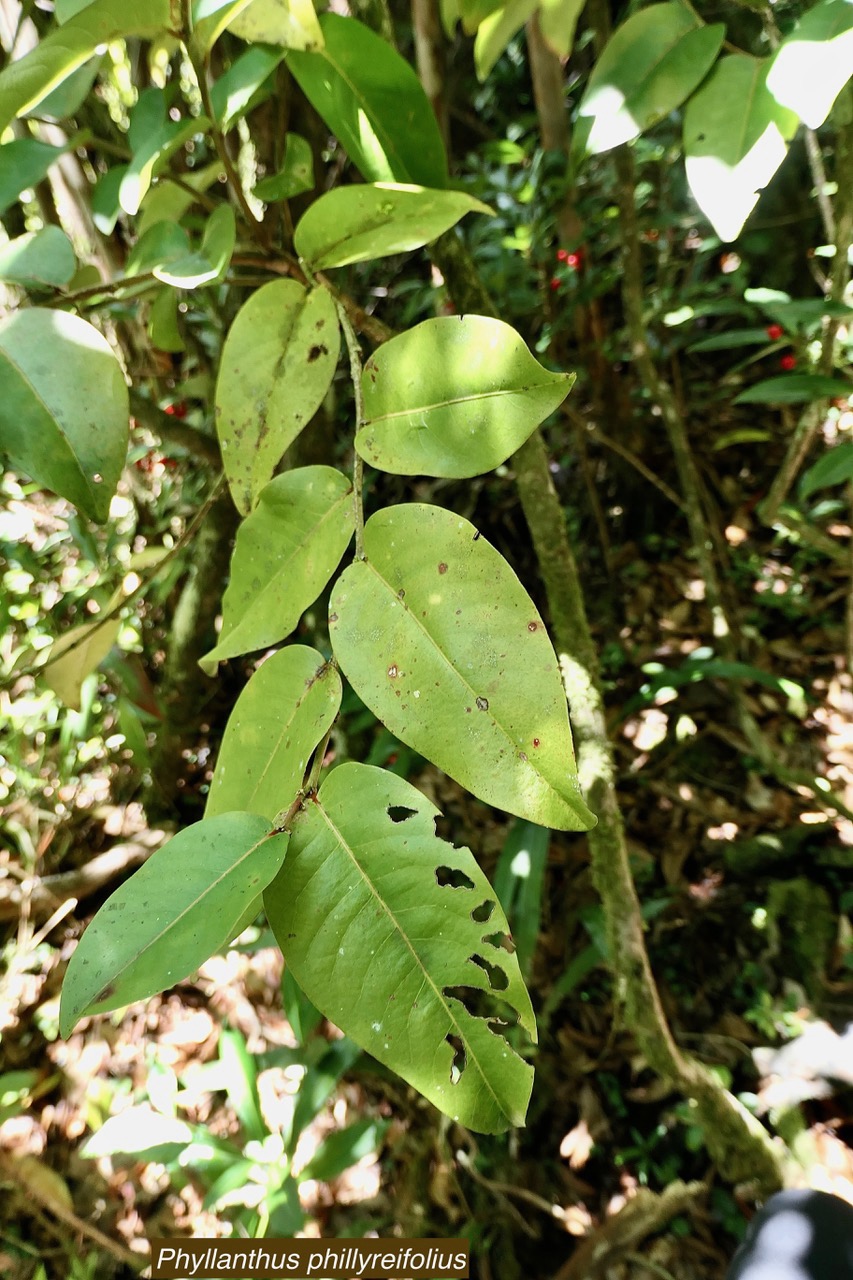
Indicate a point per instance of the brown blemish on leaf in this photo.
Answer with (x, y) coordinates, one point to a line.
(316, 352)
(333, 617)
(393, 671)
(482, 704)
(522, 756)
(533, 626)
(442, 568)
(536, 742)
(108, 991)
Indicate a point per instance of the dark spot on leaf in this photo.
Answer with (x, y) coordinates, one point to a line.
(501, 940)
(316, 352)
(401, 595)
(460, 1058)
(393, 671)
(450, 877)
(476, 535)
(533, 626)
(442, 568)
(333, 617)
(467, 708)
(498, 980)
(482, 704)
(536, 742)
(108, 991)
(522, 756)
(483, 913)
(400, 813)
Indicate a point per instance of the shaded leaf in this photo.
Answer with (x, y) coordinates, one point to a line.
(75, 655)
(190, 270)
(343, 1148)
(454, 397)
(377, 936)
(795, 388)
(813, 63)
(285, 553)
(179, 908)
(23, 163)
(834, 467)
(279, 718)
(64, 414)
(735, 137)
(39, 257)
(277, 363)
(296, 174)
(373, 102)
(355, 224)
(650, 65)
(441, 641)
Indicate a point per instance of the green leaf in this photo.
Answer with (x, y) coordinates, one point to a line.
(454, 397)
(39, 257)
(376, 934)
(210, 18)
(25, 83)
(68, 97)
(23, 163)
(167, 202)
(210, 262)
(813, 64)
(343, 1148)
(240, 1078)
(282, 714)
(295, 176)
(154, 136)
(833, 467)
(179, 908)
(64, 413)
(139, 1133)
(473, 12)
(441, 641)
(496, 31)
(519, 879)
(163, 322)
(735, 137)
(75, 655)
(650, 65)
(239, 89)
(355, 224)
(286, 551)
(558, 20)
(373, 101)
(732, 338)
(795, 388)
(277, 363)
(290, 23)
(161, 244)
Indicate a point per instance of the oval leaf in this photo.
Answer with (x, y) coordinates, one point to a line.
(454, 397)
(373, 101)
(396, 936)
(278, 720)
(354, 224)
(651, 64)
(735, 137)
(64, 414)
(813, 64)
(833, 467)
(438, 637)
(795, 388)
(277, 363)
(286, 551)
(496, 31)
(291, 23)
(39, 257)
(75, 655)
(179, 908)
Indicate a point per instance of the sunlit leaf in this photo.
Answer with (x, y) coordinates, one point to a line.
(454, 397)
(438, 637)
(813, 63)
(210, 261)
(239, 88)
(558, 20)
(396, 936)
(40, 257)
(286, 551)
(141, 1133)
(496, 31)
(23, 163)
(289, 23)
(75, 655)
(355, 224)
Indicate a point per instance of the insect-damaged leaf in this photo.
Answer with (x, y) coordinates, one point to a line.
(355, 224)
(281, 715)
(438, 637)
(181, 906)
(64, 408)
(397, 937)
(277, 363)
(454, 397)
(285, 553)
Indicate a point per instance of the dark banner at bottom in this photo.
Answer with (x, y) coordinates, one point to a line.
(182, 1259)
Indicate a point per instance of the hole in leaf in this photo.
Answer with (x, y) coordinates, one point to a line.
(498, 980)
(455, 879)
(460, 1058)
(485, 1005)
(484, 912)
(400, 813)
(502, 940)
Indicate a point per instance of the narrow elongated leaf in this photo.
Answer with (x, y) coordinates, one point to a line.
(454, 397)
(28, 81)
(235, 92)
(23, 163)
(439, 638)
(651, 64)
(290, 23)
(558, 20)
(354, 224)
(813, 64)
(373, 101)
(496, 31)
(411, 967)
(39, 257)
(64, 410)
(278, 720)
(833, 467)
(735, 137)
(473, 12)
(795, 388)
(278, 361)
(210, 18)
(178, 909)
(285, 553)
(139, 1132)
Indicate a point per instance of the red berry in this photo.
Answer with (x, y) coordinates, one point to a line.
(562, 255)
(788, 362)
(573, 260)
(555, 284)
(177, 410)
(170, 409)
(774, 332)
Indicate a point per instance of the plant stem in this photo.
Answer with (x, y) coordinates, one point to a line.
(357, 466)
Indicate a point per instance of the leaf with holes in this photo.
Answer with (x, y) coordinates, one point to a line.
(439, 638)
(64, 414)
(277, 363)
(278, 720)
(373, 102)
(397, 937)
(454, 397)
(355, 224)
(180, 907)
(650, 65)
(286, 551)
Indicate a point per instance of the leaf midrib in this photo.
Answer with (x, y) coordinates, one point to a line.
(468, 399)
